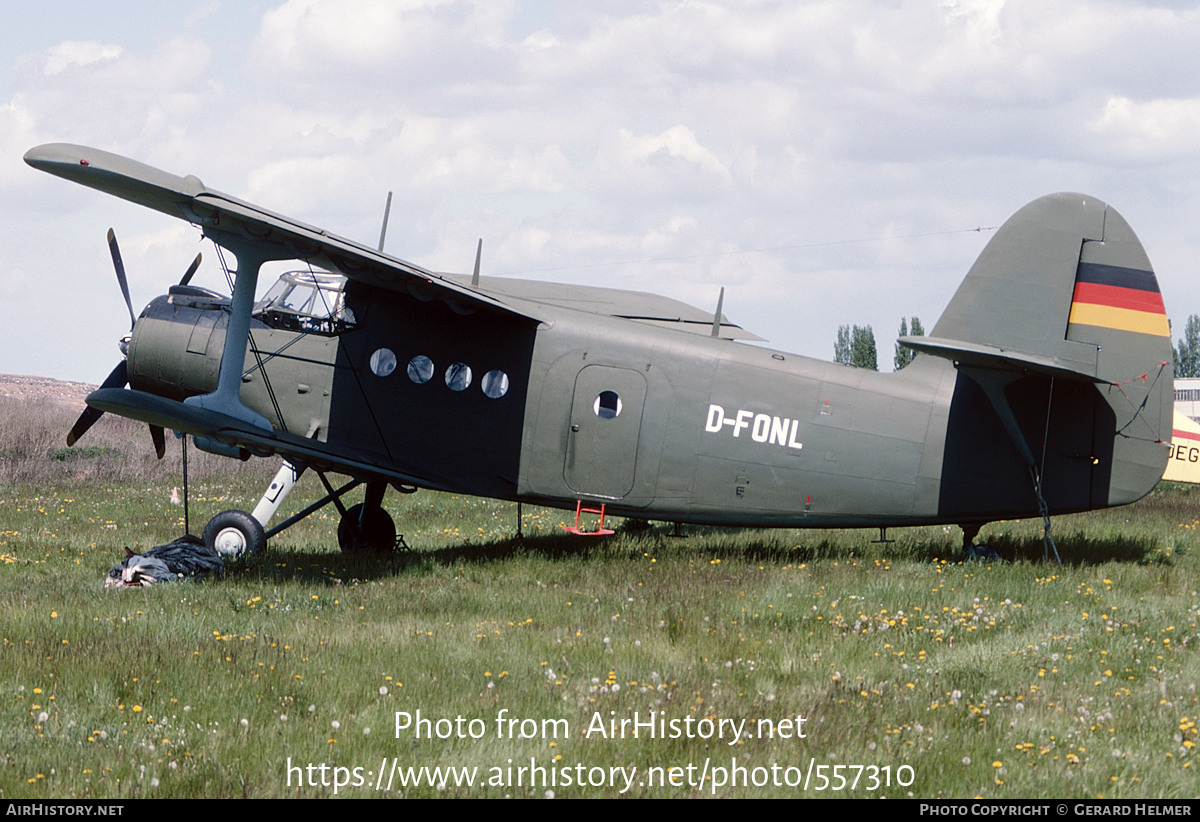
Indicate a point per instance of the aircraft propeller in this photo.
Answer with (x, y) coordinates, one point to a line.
(119, 376)
(119, 265)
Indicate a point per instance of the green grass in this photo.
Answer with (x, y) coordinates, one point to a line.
(1002, 680)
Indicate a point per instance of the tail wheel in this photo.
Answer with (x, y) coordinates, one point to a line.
(235, 534)
(375, 533)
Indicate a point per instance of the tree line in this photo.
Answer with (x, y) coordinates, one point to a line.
(856, 345)
(1186, 353)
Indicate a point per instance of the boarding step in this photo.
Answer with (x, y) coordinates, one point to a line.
(599, 531)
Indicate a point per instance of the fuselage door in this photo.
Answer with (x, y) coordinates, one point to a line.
(606, 420)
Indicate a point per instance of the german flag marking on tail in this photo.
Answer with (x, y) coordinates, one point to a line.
(1124, 299)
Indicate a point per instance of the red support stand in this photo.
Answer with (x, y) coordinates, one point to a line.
(600, 529)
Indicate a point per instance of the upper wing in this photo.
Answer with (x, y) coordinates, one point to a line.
(651, 309)
(230, 221)
(233, 222)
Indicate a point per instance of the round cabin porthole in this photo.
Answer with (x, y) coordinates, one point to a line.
(607, 405)
(383, 362)
(494, 384)
(420, 369)
(458, 376)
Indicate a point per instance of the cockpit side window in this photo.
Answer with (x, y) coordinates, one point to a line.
(298, 298)
(312, 302)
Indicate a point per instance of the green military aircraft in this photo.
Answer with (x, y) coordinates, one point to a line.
(1045, 387)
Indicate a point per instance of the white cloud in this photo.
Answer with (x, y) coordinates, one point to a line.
(1151, 131)
(371, 48)
(676, 143)
(202, 12)
(110, 95)
(74, 54)
(581, 140)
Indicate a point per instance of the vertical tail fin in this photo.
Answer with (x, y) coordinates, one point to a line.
(1063, 286)
(1061, 323)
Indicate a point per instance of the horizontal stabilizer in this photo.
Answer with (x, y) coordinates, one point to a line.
(990, 356)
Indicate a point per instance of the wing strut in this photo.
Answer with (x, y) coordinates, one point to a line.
(226, 399)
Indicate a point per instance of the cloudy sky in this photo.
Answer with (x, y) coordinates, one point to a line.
(827, 163)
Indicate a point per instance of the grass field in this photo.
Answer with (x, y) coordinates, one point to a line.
(913, 674)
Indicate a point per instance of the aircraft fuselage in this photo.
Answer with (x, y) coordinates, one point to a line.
(652, 422)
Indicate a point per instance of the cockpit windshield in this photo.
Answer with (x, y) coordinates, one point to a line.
(312, 301)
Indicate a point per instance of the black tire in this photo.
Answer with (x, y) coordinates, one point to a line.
(235, 534)
(378, 534)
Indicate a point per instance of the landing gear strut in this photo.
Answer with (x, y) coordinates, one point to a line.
(366, 527)
(365, 530)
(971, 551)
(970, 531)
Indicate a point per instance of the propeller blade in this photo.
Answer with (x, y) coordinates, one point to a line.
(120, 267)
(160, 440)
(116, 379)
(187, 277)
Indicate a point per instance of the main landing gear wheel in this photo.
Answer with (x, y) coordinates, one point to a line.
(235, 534)
(376, 533)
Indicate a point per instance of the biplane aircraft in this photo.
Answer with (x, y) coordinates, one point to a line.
(1044, 388)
